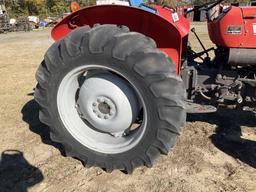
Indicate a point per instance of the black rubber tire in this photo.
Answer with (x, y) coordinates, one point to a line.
(135, 56)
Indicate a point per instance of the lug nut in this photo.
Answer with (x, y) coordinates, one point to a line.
(112, 112)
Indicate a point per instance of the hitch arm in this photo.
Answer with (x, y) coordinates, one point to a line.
(199, 40)
(196, 55)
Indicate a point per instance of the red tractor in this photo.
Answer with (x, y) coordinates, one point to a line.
(116, 85)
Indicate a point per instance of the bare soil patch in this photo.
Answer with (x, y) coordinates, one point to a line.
(215, 153)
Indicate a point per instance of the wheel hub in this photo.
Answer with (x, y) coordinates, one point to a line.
(108, 103)
(104, 108)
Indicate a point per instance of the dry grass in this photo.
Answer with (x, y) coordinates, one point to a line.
(210, 155)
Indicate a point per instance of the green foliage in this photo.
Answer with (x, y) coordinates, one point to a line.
(84, 3)
(43, 8)
(56, 7)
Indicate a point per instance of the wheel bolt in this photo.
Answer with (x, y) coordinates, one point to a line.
(94, 104)
(111, 112)
(105, 117)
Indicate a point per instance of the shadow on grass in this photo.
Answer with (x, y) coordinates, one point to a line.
(16, 173)
(30, 114)
(228, 133)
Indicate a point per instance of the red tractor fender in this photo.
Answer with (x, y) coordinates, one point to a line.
(169, 33)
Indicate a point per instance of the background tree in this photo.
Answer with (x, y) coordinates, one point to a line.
(44, 8)
(200, 2)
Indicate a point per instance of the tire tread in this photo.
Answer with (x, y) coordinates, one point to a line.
(156, 67)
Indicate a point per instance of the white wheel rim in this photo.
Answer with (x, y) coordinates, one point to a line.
(88, 123)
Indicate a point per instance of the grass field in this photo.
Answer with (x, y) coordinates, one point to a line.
(215, 153)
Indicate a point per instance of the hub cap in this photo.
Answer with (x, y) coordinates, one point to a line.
(108, 103)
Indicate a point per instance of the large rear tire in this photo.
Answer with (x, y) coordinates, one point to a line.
(110, 97)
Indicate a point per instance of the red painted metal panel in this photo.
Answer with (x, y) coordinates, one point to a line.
(249, 16)
(169, 35)
(235, 29)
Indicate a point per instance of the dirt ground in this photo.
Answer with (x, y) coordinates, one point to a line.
(215, 153)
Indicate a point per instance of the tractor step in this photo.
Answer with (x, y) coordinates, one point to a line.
(199, 108)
